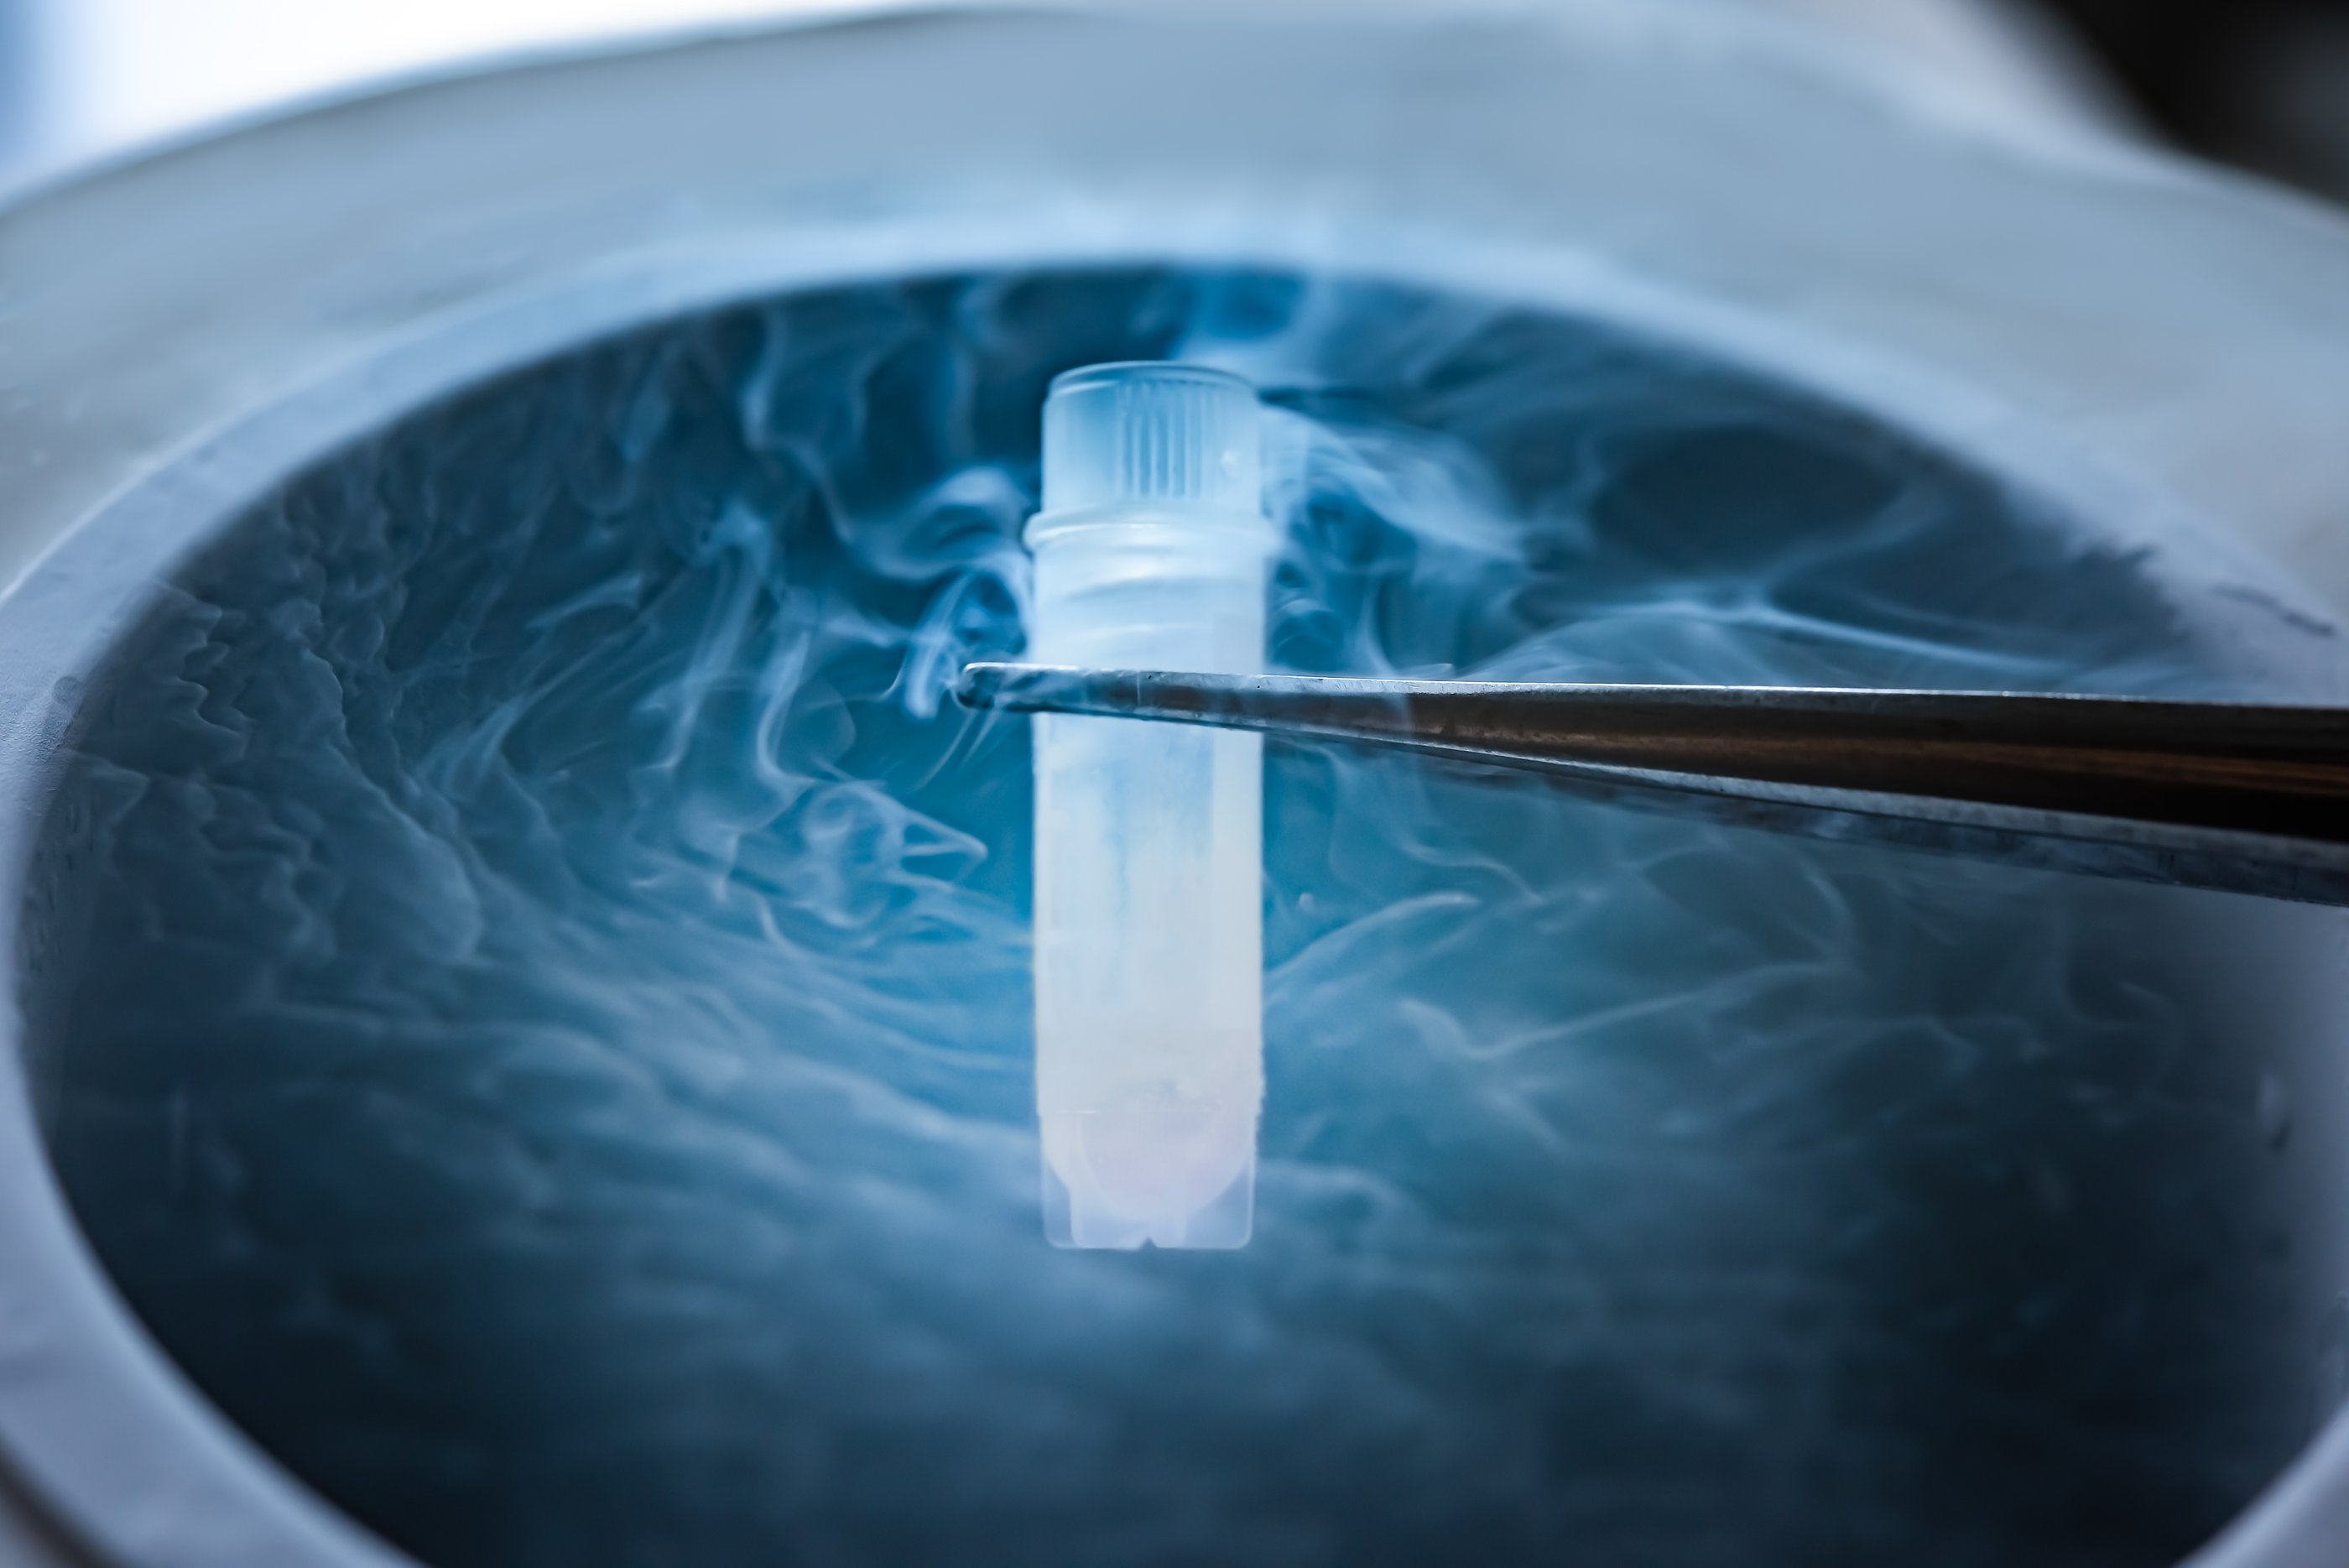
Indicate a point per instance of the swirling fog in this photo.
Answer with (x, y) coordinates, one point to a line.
(552, 1059)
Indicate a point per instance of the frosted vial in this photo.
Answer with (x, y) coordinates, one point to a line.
(1152, 551)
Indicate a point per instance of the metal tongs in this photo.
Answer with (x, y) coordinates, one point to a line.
(2235, 796)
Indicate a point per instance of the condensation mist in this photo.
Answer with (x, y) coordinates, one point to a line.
(550, 1050)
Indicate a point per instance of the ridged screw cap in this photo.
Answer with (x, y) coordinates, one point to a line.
(1148, 430)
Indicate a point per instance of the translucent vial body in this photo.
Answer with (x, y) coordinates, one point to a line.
(1151, 552)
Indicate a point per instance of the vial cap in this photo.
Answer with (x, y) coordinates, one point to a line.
(1152, 431)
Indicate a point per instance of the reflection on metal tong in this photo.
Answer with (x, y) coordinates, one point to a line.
(2235, 796)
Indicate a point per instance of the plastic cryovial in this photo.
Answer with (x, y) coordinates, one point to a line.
(1152, 551)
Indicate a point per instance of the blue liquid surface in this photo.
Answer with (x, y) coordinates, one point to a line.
(552, 1059)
